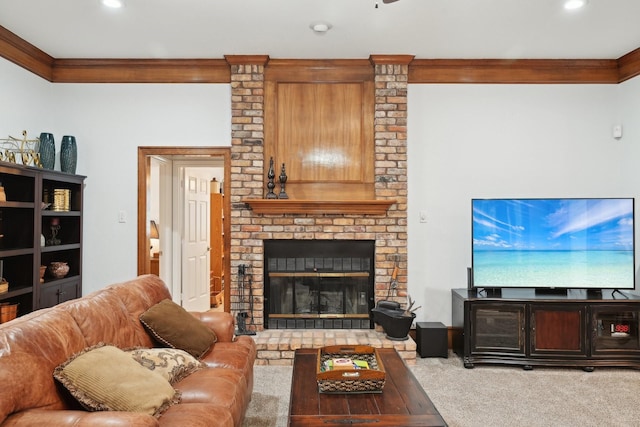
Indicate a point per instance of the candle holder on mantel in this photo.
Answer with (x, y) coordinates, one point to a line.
(271, 184)
(283, 180)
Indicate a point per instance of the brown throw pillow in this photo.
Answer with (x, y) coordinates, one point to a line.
(174, 327)
(173, 364)
(105, 378)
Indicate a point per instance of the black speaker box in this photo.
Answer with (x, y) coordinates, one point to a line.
(431, 339)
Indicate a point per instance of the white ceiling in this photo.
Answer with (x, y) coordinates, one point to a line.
(472, 29)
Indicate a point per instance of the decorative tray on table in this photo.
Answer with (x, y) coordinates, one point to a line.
(349, 369)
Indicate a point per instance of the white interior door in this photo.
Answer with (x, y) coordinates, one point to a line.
(195, 240)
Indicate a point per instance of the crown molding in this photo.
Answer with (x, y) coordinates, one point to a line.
(132, 70)
(513, 71)
(629, 65)
(24, 54)
(140, 71)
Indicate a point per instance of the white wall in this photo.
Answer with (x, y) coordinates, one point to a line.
(109, 122)
(25, 103)
(467, 141)
(464, 141)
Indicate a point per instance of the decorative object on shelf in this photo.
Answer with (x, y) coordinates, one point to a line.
(283, 180)
(270, 184)
(8, 311)
(43, 270)
(47, 150)
(55, 228)
(23, 151)
(61, 199)
(68, 154)
(4, 285)
(58, 269)
(3, 195)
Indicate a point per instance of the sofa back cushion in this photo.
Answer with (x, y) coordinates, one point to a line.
(110, 315)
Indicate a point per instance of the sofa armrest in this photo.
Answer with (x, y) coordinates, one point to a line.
(219, 322)
(47, 417)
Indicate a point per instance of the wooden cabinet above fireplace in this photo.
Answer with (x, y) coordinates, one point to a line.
(319, 122)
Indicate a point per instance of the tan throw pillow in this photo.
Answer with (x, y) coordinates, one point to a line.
(174, 327)
(105, 378)
(173, 364)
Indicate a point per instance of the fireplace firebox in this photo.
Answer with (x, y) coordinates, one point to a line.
(319, 284)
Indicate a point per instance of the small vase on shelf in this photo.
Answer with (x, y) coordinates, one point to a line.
(47, 150)
(68, 154)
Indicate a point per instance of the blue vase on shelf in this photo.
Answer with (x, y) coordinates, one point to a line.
(47, 150)
(68, 154)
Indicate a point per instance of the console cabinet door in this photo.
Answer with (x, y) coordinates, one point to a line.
(558, 329)
(55, 294)
(615, 330)
(497, 328)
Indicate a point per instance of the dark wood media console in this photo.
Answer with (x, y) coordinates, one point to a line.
(520, 327)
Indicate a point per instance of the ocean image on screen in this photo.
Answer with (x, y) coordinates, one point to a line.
(560, 243)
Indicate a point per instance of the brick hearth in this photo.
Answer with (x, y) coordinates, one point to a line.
(277, 346)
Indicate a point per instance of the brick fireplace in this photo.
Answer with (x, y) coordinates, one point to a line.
(249, 229)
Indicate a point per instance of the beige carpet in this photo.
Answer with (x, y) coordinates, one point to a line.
(490, 395)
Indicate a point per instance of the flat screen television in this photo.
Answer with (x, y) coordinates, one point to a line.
(553, 243)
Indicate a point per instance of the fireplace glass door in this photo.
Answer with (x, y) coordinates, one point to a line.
(319, 292)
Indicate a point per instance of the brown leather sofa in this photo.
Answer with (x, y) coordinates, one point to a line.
(33, 345)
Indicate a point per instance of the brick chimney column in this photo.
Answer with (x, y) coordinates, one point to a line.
(390, 134)
(247, 161)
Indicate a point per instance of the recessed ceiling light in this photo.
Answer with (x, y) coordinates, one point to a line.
(574, 4)
(114, 4)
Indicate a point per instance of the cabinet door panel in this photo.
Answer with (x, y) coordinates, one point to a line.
(616, 330)
(558, 329)
(498, 328)
(55, 294)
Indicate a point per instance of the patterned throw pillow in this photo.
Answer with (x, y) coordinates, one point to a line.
(173, 364)
(105, 378)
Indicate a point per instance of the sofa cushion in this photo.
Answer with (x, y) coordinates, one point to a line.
(105, 378)
(174, 327)
(173, 364)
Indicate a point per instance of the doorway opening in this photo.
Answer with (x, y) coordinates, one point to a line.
(166, 255)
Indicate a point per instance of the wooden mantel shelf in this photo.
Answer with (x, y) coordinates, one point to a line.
(348, 207)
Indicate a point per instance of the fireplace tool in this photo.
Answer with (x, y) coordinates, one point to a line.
(241, 317)
(393, 284)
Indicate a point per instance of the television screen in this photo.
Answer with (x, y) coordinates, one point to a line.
(553, 243)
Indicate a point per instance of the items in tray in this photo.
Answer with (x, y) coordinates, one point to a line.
(342, 363)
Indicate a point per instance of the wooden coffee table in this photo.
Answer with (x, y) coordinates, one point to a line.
(402, 402)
